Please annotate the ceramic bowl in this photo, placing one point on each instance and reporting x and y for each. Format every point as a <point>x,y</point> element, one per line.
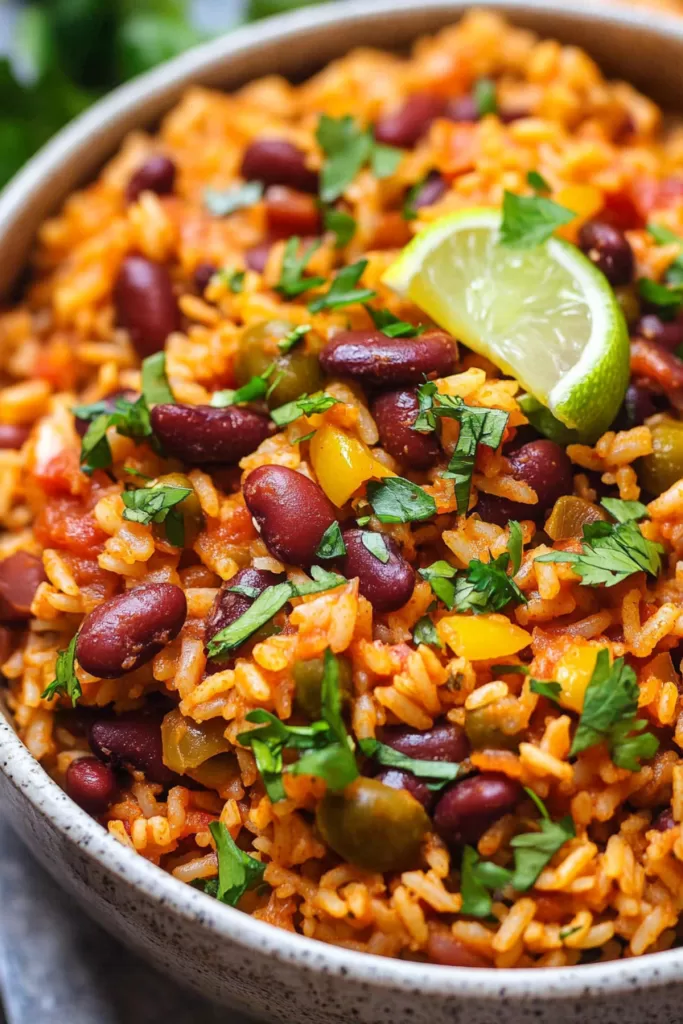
<point>223,954</point>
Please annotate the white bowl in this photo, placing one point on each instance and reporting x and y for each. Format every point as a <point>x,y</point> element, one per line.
<point>223,954</point>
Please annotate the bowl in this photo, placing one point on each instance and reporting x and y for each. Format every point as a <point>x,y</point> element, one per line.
<point>225,955</point>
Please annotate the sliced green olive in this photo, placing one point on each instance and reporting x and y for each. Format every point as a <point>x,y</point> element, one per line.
<point>374,826</point>
<point>186,744</point>
<point>664,466</point>
<point>484,732</point>
<point>569,516</point>
<point>296,372</point>
<point>308,677</point>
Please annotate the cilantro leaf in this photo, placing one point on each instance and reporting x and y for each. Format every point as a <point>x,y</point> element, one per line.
<point>376,545</point>
<point>396,500</point>
<point>476,901</point>
<point>155,387</point>
<point>65,681</point>
<point>441,575</point>
<point>233,279</point>
<point>255,389</point>
<point>424,632</point>
<point>667,299</point>
<point>270,766</point>
<point>530,220</point>
<point>266,605</point>
<point>533,850</point>
<point>537,182</point>
<point>625,511</point>
<point>237,871</point>
<point>550,690</point>
<point>392,326</point>
<point>292,281</point>
<point>515,545</point>
<point>486,587</point>
<point>331,543</point>
<point>335,763</point>
<point>221,203</point>
<point>663,236</point>
<point>296,335</point>
<point>439,772</point>
<point>347,148</point>
<point>484,95</point>
<point>95,449</point>
<point>343,291</point>
<point>305,405</point>
<point>611,553</point>
<point>384,160</point>
<point>322,580</point>
<point>609,715</point>
<point>156,505</point>
<point>342,224</point>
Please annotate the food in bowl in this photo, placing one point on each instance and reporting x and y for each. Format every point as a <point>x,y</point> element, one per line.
<point>339,574</point>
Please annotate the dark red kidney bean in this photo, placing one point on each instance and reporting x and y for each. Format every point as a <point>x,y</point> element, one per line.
<point>202,275</point>
<point>608,248</point>
<point>145,304</point>
<point>229,606</point>
<point>157,174</point>
<point>386,585</point>
<point>128,630</point>
<point>466,809</point>
<point>668,333</point>
<point>664,821</point>
<point>433,189</point>
<point>510,114</point>
<point>462,108</point>
<point>109,406</point>
<point>499,511</point>
<point>278,162</point>
<point>638,405</point>
<point>652,361</point>
<point>546,467</point>
<point>395,413</point>
<point>406,126</point>
<point>373,359</point>
<point>132,741</point>
<point>443,742</point>
<point>13,435</point>
<point>289,212</point>
<point>91,784</point>
<point>20,576</point>
<point>256,258</point>
<point>292,512</point>
<point>203,435</point>
<point>396,778</point>
<point>7,639</point>
<point>443,948</point>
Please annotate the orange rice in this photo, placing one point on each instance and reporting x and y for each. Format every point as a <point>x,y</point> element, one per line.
<point>615,889</point>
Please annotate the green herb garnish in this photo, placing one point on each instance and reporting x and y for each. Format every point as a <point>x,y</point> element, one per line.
<point>537,182</point>
<point>424,632</point>
<point>347,148</point>
<point>668,300</point>
<point>222,203</point>
<point>664,236</point>
<point>292,281</point>
<point>158,505</point>
<point>485,586</point>
<point>237,871</point>
<point>396,500</point>
<point>392,325</point>
<point>530,220</point>
<point>550,690</point>
<point>296,335</point>
<point>438,772</point>
<point>332,543</point>
<point>156,389</point>
<point>343,291</point>
<point>484,95</point>
<point>376,545</point>
<point>305,405</point>
<point>65,681</point>
<point>342,224</point>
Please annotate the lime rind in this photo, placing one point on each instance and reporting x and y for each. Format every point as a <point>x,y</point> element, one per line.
<point>575,361</point>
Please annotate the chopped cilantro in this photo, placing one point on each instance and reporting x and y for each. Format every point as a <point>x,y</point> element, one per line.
<point>237,871</point>
<point>396,500</point>
<point>484,587</point>
<point>255,389</point>
<point>441,576</point>
<point>221,203</point>
<point>384,160</point>
<point>484,94</point>
<point>335,763</point>
<point>609,715</point>
<point>342,224</point>
<point>376,545</point>
<point>292,281</point>
<point>155,387</point>
<point>347,148</point>
<point>424,632</point>
<point>515,545</point>
<point>668,300</point>
<point>663,236</point>
<point>530,220</point>
<point>476,901</point>
<point>131,419</point>
<point>65,681</point>
<point>157,505</point>
<point>537,182</point>
<point>332,543</point>
<point>438,772</point>
<point>233,279</point>
<point>343,291</point>
<point>305,405</point>
<point>546,689</point>
<point>392,326</point>
<point>296,335</point>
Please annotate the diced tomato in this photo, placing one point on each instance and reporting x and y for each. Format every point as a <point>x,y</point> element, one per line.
<point>96,582</point>
<point>656,195</point>
<point>60,474</point>
<point>621,211</point>
<point>197,821</point>
<point>55,363</point>
<point>65,523</point>
<point>239,528</point>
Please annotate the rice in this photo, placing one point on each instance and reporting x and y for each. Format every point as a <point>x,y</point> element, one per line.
<point>610,881</point>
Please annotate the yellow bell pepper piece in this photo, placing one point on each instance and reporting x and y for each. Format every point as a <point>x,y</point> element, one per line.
<point>482,637</point>
<point>342,463</point>
<point>584,200</point>
<point>573,672</point>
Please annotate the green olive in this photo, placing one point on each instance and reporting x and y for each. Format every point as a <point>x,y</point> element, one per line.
<point>373,826</point>
<point>296,372</point>
<point>485,733</point>
<point>664,466</point>
<point>187,744</point>
<point>189,508</point>
<point>628,300</point>
<point>308,677</point>
<point>569,516</point>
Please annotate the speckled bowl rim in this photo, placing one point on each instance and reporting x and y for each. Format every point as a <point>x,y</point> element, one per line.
<point>26,775</point>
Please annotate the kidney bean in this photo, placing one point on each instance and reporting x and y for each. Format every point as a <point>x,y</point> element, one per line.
<point>395,413</point>
<point>651,360</point>
<point>462,108</point>
<point>443,948</point>
<point>91,784</point>
<point>110,406</point>
<point>664,821</point>
<point>546,467</point>
<point>203,273</point>
<point>638,405</point>
<point>668,333</point>
<point>256,257</point>
<point>431,191</point>
<point>157,174</point>
<point>292,512</point>
<point>13,435</point>
<point>386,585</point>
<point>377,361</point>
<point>278,162</point>
<point>229,606</point>
<point>608,248</point>
<point>396,778</point>
<point>145,304</point>
<point>132,741</point>
<point>7,638</point>
<point>289,212</point>
<point>20,576</point>
<point>443,742</point>
<point>202,434</point>
<point>128,630</point>
<point>492,509</point>
<point>406,126</point>
<point>468,808</point>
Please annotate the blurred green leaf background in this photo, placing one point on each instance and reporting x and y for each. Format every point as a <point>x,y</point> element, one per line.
<point>68,53</point>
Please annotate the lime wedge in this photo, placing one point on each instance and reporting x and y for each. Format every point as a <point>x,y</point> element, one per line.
<point>544,315</point>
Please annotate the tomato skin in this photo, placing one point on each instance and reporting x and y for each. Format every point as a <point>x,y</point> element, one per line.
<point>64,523</point>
